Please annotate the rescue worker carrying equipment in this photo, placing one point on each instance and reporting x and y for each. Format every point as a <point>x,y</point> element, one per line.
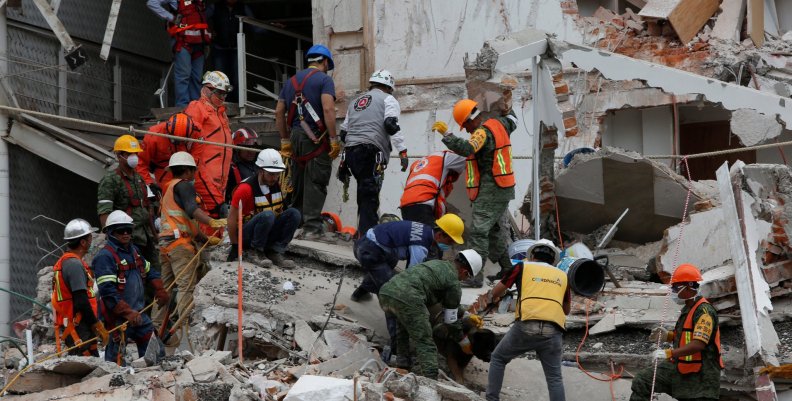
<point>269,225</point>
<point>370,125</point>
<point>691,369</point>
<point>74,293</point>
<point>429,184</point>
<point>157,150</point>
<point>243,162</point>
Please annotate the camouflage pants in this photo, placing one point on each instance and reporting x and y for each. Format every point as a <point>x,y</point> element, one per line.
<point>642,384</point>
<point>486,234</point>
<point>309,181</point>
<point>414,326</point>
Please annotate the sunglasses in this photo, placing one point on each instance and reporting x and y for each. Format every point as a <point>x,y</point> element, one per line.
<point>219,93</point>
<point>676,289</point>
<point>123,231</point>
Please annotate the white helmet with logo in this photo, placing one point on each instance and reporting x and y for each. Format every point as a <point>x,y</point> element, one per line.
<point>383,77</point>
<point>271,161</point>
<point>217,80</point>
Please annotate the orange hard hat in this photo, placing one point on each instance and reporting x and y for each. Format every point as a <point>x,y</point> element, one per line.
<point>686,273</point>
<point>180,124</point>
<point>348,230</point>
<point>464,110</point>
<point>332,222</point>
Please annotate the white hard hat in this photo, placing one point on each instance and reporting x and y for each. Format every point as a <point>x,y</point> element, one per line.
<point>77,228</point>
<point>217,80</point>
<point>474,261</point>
<point>118,218</point>
<point>383,77</point>
<point>271,161</point>
<point>181,159</point>
<point>549,244</point>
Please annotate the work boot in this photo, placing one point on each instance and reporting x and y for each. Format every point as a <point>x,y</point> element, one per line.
<point>360,295</point>
<point>278,260</point>
<point>475,282</point>
<point>310,235</point>
<point>259,258</point>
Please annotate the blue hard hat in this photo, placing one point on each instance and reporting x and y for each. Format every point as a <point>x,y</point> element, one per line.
<point>321,50</point>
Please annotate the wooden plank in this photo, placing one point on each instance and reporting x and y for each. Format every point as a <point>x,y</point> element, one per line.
<point>730,20</point>
<point>689,16</point>
<point>756,21</point>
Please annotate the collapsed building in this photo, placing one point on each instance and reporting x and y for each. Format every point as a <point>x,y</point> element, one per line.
<point>614,93</point>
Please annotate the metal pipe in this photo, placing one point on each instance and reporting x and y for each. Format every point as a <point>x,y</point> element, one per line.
<point>537,143</point>
<point>242,89</point>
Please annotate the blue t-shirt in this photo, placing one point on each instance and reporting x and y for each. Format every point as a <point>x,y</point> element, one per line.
<point>317,85</point>
<point>410,240</point>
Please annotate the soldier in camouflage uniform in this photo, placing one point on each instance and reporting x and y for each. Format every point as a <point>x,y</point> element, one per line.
<point>124,189</point>
<point>691,370</point>
<point>489,176</point>
<point>407,297</point>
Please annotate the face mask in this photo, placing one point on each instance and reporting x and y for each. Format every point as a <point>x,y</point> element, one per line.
<point>681,301</point>
<point>132,161</point>
<point>443,247</point>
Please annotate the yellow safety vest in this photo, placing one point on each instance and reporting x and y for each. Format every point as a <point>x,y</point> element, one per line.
<point>542,293</point>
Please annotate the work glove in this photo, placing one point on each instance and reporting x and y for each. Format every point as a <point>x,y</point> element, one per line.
<point>101,332</point>
<point>466,346</point>
<point>160,294</point>
<point>233,253</point>
<point>218,223</point>
<point>130,315</point>
<point>335,148</point>
<point>404,160</point>
<point>440,127</point>
<point>662,354</point>
<point>659,334</point>
<point>213,240</point>
<point>476,320</point>
<point>286,148</point>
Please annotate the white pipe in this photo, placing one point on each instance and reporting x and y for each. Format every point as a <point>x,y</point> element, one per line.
<point>537,144</point>
<point>5,195</point>
<point>29,341</point>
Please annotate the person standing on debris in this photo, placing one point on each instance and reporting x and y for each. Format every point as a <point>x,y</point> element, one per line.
<point>74,295</point>
<point>180,213</point>
<point>691,369</point>
<point>187,26</point>
<point>157,150</point>
<point>125,189</point>
<point>371,124</point>
<point>430,182</point>
<point>382,247</point>
<point>308,128</point>
<point>122,273</point>
<point>214,162</point>
<point>407,297</point>
<point>543,301</point>
<point>489,176</point>
<point>243,163</point>
<point>269,226</point>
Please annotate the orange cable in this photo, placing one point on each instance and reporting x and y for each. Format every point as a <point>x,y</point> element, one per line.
<point>608,378</point>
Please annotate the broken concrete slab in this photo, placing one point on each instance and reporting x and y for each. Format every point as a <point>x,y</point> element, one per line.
<point>307,340</point>
<point>753,127</point>
<point>610,322</point>
<point>361,355</point>
<point>340,342</point>
<point>703,245</point>
<point>730,20</point>
<point>204,369</point>
<point>321,388</point>
<point>336,255</point>
<point>456,393</point>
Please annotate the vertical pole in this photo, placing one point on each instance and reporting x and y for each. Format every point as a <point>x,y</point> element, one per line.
<point>298,56</point>
<point>5,194</point>
<point>241,70</point>
<point>63,84</point>
<point>537,143</point>
<point>239,281</point>
<point>117,90</point>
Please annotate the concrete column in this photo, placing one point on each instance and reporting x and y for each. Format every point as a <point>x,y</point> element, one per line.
<point>5,194</point>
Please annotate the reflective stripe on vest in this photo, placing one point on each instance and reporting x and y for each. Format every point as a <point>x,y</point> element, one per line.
<point>143,267</point>
<point>692,363</point>
<point>260,201</point>
<point>175,221</point>
<point>61,298</point>
<point>193,28</point>
<point>542,293</point>
<point>502,171</point>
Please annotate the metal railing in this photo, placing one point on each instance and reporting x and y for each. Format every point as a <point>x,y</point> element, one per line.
<point>257,84</point>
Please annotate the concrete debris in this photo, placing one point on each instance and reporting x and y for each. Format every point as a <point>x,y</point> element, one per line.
<point>320,388</point>
<point>753,127</point>
<point>307,340</point>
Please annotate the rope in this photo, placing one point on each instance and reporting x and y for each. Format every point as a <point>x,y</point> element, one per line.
<point>607,378</point>
<point>674,263</point>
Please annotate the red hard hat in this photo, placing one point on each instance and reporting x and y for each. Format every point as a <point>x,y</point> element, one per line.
<point>244,136</point>
<point>686,273</point>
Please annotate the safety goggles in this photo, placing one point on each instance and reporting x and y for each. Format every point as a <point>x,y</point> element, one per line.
<point>677,288</point>
<point>219,93</point>
<point>123,231</point>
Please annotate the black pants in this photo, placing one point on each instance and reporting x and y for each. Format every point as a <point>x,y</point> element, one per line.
<point>363,164</point>
<point>377,264</point>
<point>420,213</point>
<point>84,332</point>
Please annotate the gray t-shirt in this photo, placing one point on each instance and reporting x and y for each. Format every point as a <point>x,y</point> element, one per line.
<point>74,274</point>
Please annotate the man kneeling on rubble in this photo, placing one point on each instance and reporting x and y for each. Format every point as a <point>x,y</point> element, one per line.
<point>268,227</point>
<point>691,369</point>
<point>407,297</point>
<point>121,273</point>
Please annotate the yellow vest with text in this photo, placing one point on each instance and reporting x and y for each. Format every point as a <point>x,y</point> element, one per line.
<point>542,293</point>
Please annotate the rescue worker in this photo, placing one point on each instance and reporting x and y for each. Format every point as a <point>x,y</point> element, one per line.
<point>543,301</point>
<point>489,176</point>
<point>269,225</point>
<point>122,274</point>
<point>214,162</point>
<point>124,189</point>
<point>691,369</point>
<point>74,295</point>
<point>307,129</point>
<point>429,184</point>
<point>243,162</point>
<point>187,26</point>
<point>383,246</point>
<point>371,124</point>
<point>180,213</point>
<point>157,150</point>
<point>407,297</point>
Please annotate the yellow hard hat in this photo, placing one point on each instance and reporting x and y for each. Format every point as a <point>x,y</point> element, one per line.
<point>127,143</point>
<point>452,225</point>
<point>464,110</point>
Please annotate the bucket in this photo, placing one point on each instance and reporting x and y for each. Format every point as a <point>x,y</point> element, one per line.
<point>519,249</point>
<point>586,277</point>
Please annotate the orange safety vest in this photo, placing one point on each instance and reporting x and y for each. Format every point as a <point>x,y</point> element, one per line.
<point>62,302</point>
<point>692,363</point>
<point>501,161</point>
<point>175,221</point>
<point>214,162</point>
<point>423,183</point>
<point>193,29</point>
